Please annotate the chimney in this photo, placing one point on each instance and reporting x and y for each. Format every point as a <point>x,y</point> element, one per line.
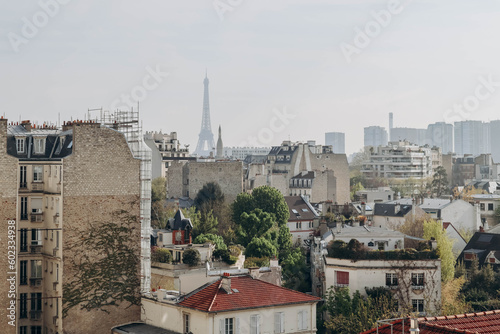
<point>254,272</point>
<point>363,208</point>
<point>397,208</point>
<point>414,326</point>
<point>226,283</point>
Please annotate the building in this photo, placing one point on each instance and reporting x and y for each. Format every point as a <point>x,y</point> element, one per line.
<point>303,169</point>
<point>373,238</point>
<point>463,170</point>
<point>241,153</point>
<point>185,179</point>
<point>165,149</point>
<point>486,168</point>
<point>375,136</point>
<point>59,194</point>
<point>401,160</point>
<point>304,219</point>
<point>459,242</point>
<point>487,203</point>
<point>495,139</point>
<point>336,140</point>
<point>463,215</point>
<point>380,194</point>
<point>411,135</point>
<point>440,134</point>
<point>393,214</point>
<point>485,247</point>
<point>478,322</point>
<point>472,137</point>
<point>232,304</point>
<point>416,283</point>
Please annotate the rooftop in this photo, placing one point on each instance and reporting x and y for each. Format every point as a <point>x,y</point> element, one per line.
<point>299,208</point>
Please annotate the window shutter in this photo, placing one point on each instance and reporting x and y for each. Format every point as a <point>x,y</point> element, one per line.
<point>221,326</point>
<point>237,326</point>
<point>258,324</point>
<point>282,322</point>
<point>299,320</point>
<point>277,322</point>
<point>305,320</point>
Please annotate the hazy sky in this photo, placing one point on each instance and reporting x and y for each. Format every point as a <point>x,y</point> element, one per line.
<point>328,65</point>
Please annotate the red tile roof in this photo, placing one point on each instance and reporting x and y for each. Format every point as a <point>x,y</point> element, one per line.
<point>470,323</point>
<point>252,293</point>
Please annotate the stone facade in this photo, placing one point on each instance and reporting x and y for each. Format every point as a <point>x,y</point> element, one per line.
<point>187,178</point>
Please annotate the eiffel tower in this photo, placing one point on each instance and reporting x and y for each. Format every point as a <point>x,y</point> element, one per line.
<point>206,142</point>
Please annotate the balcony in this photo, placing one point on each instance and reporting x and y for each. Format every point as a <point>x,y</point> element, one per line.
<point>37,187</point>
<point>36,248</point>
<point>36,281</point>
<point>35,315</point>
<point>36,216</point>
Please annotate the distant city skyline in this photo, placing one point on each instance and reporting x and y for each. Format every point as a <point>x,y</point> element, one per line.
<point>286,69</point>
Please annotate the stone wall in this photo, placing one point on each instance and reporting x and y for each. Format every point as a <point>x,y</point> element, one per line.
<point>100,178</point>
<point>8,194</point>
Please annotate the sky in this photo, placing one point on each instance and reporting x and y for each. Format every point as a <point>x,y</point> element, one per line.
<point>278,70</point>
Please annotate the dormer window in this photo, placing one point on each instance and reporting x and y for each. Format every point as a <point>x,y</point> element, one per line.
<point>21,145</point>
<point>61,143</point>
<point>39,145</point>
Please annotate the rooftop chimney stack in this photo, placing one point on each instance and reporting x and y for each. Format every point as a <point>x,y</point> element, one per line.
<point>414,326</point>
<point>226,283</point>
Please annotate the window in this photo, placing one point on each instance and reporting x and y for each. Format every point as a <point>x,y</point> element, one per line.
<point>23,306</point>
<point>229,326</point>
<point>417,279</point>
<point>391,279</point>
<point>23,330</point>
<point>36,269</point>
<point>24,208</point>
<point>22,177</point>
<point>255,324</point>
<point>341,278</point>
<point>469,256</point>
<point>37,173</point>
<point>36,301</point>
<point>24,240</point>
<point>481,205</point>
<point>279,322</point>
<point>418,305</point>
<point>298,225</point>
<point>39,145</point>
<point>371,244</point>
<point>302,321</point>
<point>186,323</point>
<point>23,266</point>
<point>36,329</point>
<point>20,144</point>
<point>36,237</point>
<point>490,206</point>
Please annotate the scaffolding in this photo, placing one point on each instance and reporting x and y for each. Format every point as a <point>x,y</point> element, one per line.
<point>127,123</point>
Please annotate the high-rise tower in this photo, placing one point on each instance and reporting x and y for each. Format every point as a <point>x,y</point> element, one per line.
<point>220,147</point>
<point>206,142</point>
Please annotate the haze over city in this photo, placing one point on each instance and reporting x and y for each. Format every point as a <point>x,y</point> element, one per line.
<point>331,65</point>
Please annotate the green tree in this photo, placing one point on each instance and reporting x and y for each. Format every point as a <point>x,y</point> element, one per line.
<point>191,257</point>
<point>261,247</point>
<point>216,240</point>
<point>296,271</point>
<point>160,212</point>
<point>159,189</point>
<point>254,224</point>
<point>209,198</point>
<point>205,223</point>
<point>162,255</point>
<point>434,229</point>
<point>439,184</point>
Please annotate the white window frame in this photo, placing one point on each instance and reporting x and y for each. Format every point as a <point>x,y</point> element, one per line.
<point>36,269</point>
<point>38,235</point>
<point>21,145</point>
<point>417,303</point>
<point>37,173</point>
<point>186,322</point>
<point>255,324</point>
<point>279,322</point>
<point>39,145</point>
<point>419,279</point>
<point>229,326</point>
<point>302,320</point>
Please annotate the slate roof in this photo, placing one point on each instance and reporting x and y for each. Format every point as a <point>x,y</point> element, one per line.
<point>470,323</point>
<point>179,222</point>
<point>255,159</point>
<point>53,148</point>
<point>304,211</point>
<point>481,244</point>
<point>248,293</point>
<point>388,210</point>
<point>489,186</point>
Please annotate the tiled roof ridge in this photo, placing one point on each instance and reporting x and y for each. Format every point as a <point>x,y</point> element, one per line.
<point>274,285</point>
<point>449,329</point>
<point>195,291</point>
<point>459,316</point>
<point>215,295</point>
<point>374,330</point>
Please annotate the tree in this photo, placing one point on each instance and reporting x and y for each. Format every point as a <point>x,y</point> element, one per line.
<point>439,184</point>
<point>452,301</point>
<point>295,271</point>
<point>256,223</point>
<point>161,255</point>
<point>158,189</point>
<point>434,229</point>
<point>214,239</point>
<point>160,212</point>
<point>191,257</point>
<point>209,198</point>
<point>204,223</point>
<point>261,247</point>
<point>412,226</point>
